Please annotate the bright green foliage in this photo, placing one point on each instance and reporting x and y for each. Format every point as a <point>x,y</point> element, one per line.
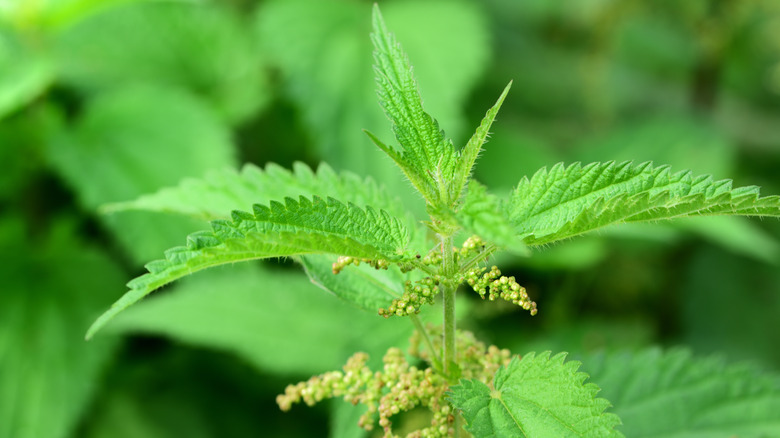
<point>365,287</point>
<point>48,381</point>
<point>324,56</point>
<point>197,48</point>
<point>104,156</point>
<point>470,153</point>
<point>567,201</point>
<point>294,228</point>
<point>24,74</point>
<point>538,396</point>
<point>325,214</point>
<point>428,159</point>
<point>675,395</point>
<point>219,192</point>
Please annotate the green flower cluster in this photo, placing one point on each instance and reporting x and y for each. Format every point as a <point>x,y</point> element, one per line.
<point>344,261</point>
<point>475,359</point>
<point>397,388</point>
<point>400,386</point>
<point>490,284</point>
<point>495,285</point>
<point>414,296</point>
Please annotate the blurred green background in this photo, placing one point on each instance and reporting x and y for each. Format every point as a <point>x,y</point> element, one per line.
<point>102,101</point>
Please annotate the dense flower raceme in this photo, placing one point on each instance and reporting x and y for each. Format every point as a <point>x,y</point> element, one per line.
<point>401,386</point>
<point>488,284</point>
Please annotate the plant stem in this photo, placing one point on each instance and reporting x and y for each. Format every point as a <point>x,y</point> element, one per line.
<point>428,343</point>
<point>449,269</point>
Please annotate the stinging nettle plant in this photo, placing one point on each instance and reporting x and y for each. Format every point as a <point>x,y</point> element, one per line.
<point>329,222</point>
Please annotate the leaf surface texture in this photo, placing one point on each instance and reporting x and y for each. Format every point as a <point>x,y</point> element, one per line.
<point>563,202</point>
<point>299,227</point>
<point>538,396</point>
<point>695,397</point>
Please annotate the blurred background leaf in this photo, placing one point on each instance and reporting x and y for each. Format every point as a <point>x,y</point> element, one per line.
<point>133,141</point>
<point>48,374</point>
<point>103,101</point>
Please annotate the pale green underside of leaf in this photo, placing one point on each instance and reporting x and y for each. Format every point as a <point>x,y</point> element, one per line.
<point>294,228</point>
<point>694,397</point>
<point>428,158</point>
<point>220,192</point>
<point>563,202</point>
<point>538,396</point>
<point>363,286</point>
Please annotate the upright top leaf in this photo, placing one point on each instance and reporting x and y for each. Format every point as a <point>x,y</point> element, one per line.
<point>428,159</point>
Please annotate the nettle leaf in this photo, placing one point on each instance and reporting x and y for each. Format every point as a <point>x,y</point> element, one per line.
<point>321,49</point>
<point>480,214</point>
<point>220,192</point>
<point>48,375</point>
<point>567,201</point>
<point>695,397</point>
<point>134,141</point>
<point>538,396</point>
<point>201,47</point>
<point>278,230</point>
<point>468,156</point>
<point>24,73</point>
<point>428,158</point>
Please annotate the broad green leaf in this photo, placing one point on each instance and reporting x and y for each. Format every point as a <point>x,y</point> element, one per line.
<point>50,292</point>
<point>220,192</point>
<point>538,396</point>
<point>323,52</point>
<point>480,214</point>
<point>468,156</point>
<point>202,48</point>
<point>276,320</point>
<point>278,230</point>
<point>24,73</point>
<point>566,201</point>
<point>136,141</point>
<point>428,158</point>
<point>674,395</point>
<point>223,191</point>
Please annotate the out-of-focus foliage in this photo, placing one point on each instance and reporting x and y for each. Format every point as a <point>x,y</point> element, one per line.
<point>103,101</point>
